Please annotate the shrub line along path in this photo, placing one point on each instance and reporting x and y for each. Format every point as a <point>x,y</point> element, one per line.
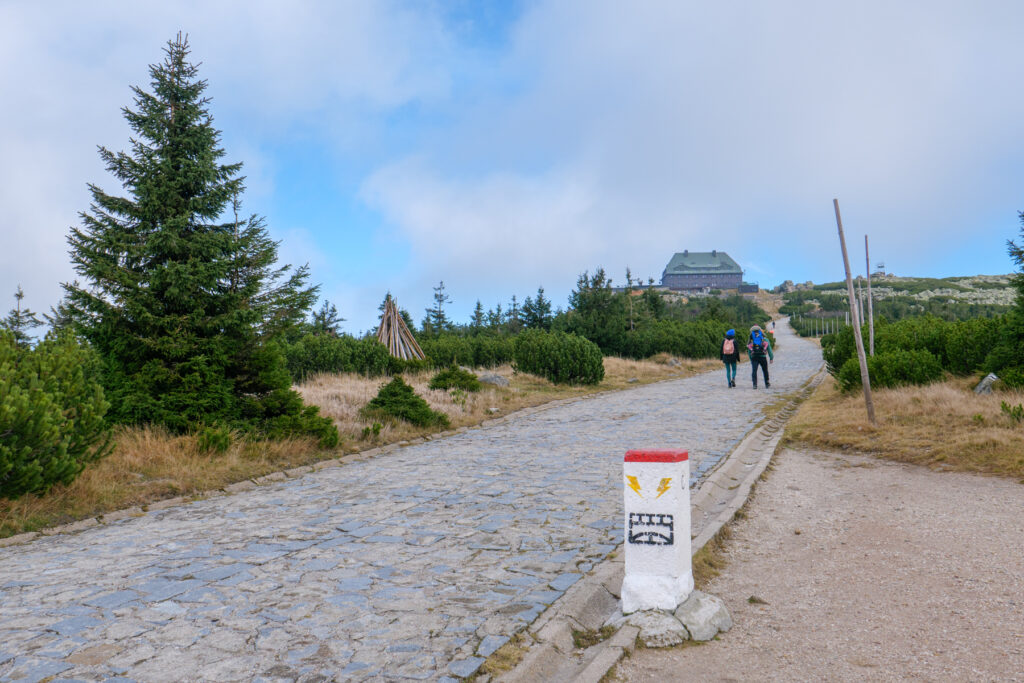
<point>411,565</point>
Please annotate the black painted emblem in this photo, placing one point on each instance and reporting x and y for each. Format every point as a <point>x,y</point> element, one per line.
<point>651,529</point>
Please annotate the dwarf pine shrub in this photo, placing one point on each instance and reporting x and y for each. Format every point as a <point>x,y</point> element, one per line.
<point>892,369</point>
<point>398,400</point>
<point>51,413</point>
<point>560,357</point>
<point>455,378</point>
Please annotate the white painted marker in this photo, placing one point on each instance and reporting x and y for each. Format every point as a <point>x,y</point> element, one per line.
<point>656,490</point>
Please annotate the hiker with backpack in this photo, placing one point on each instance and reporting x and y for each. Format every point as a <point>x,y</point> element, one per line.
<point>730,356</point>
<point>759,350</point>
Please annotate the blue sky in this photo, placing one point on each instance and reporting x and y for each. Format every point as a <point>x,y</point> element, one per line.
<point>501,146</point>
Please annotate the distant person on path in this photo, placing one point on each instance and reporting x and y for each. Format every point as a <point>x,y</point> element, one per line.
<point>730,356</point>
<point>760,352</point>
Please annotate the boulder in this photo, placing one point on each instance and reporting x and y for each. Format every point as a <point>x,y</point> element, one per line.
<point>703,615</point>
<point>658,629</point>
<point>985,385</point>
<point>493,378</point>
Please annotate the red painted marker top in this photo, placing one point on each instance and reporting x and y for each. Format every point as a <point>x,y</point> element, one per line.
<point>656,456</point>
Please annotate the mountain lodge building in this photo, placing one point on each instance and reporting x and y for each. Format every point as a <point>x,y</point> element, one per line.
<point>702,270</point>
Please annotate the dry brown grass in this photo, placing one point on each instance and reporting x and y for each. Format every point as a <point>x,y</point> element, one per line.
<point>341,397</point>
<point>943,425</point>
<point>150,464</point>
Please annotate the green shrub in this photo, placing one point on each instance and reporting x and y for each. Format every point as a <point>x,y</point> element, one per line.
<point>1013,378</point>
<point>560,357</point>
<point>1015,413</point>
<point>968,343</point>
<point>892,369</point>
<point>480,352</point>
<point>372,430</point>
<point>313,354</point>
<point>397,400</point>
<point>455,378</point>
<point>214,438</point>
<point>51,414</point>
<point>960,347</point>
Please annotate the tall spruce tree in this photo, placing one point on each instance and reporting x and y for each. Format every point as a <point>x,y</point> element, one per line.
<point>186,307</point>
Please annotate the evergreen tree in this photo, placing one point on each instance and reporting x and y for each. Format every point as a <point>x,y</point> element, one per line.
<point>597,312</point>
<point>477,323</point>
<point>629,295</point>
<point>1007,358</point>
<point>326,321</point>
<point>1016,252</point>
<point>59,318</point>
<point>654,302</point>
<point>20,321</point>
<point>514,321</point>
<point>438,321</point>
<point>537,312</point>
<point>186,310</point>
<point>495,318</point>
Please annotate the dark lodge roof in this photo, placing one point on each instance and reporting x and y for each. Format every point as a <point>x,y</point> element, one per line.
<point>694,262</point>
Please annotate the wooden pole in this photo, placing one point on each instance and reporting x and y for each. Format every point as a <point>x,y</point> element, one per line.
<point>860,302</point>
<point>871,307</point>
<point>865,380</point>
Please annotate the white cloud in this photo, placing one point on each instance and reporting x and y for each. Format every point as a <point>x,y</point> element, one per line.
<point>321,69</point>
<point>599,133</point>
<point>681,125</point>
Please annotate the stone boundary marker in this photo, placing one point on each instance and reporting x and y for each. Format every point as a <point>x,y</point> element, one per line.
<point>248,484</point>
<point>588,605</point>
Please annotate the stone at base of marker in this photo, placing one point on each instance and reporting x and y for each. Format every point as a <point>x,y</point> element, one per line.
<point>700,617</point>
<point>658,629</point>
<point>704,616</point>
<point>646,592</point>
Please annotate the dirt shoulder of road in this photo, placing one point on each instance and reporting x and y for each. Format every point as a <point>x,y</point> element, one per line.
<point>849,567</point>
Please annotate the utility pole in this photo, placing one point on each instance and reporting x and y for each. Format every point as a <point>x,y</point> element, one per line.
<point>865,379</point>
<point>871,307</point>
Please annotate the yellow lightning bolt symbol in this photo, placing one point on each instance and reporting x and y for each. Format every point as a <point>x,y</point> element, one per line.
<point>663,486</point>
<point>634,484</point>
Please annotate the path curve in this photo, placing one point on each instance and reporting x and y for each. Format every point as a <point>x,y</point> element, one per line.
<point>412,565</point>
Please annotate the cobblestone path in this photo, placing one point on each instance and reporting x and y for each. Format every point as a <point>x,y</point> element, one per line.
<point>410,565</point>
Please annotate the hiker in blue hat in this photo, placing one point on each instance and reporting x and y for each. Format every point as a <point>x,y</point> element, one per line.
<point>759,349</point>
<point>730,356</point>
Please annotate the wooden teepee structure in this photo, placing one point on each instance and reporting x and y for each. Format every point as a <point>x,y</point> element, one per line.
<point>394,334</point>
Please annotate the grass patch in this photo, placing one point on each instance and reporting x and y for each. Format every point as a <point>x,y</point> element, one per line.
<point>709,561</point>
<point>943,425</point>
<point>506,657</point>
<point>581,640</point>
<point>150,464</point>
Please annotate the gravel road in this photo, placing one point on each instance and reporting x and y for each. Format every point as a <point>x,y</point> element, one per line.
<point>868,570</point>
